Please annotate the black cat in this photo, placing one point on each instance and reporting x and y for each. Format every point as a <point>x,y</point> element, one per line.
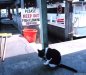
<point>53,58</point>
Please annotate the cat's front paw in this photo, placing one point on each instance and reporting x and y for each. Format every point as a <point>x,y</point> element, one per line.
<point>52,65</point>
<point>46,63</point>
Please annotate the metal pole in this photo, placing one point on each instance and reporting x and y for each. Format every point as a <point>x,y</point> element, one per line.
<point>16,9</point>
<point>12,10</point>
<point>22,7</point>
<point>22,4</point>
<point>82,6</point>
<point>43,22</point>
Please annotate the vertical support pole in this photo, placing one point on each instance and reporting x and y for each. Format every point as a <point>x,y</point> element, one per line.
<point>4,49</point>
<point>0,19</point>
<point>0,47</point>
<point>8,12</point>
<point>22,4</point>
<point>43,23</point>
<point>0,13</point>
<point>68,20</point>
<point>22,7</point>
<point>16,9</point>
<point>12,11</point>
<point>17,18</point>
<point>82,6</point>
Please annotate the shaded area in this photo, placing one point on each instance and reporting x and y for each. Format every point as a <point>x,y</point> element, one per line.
<point>55,34</point>
<point>53,39</point>
<point>31,64</point>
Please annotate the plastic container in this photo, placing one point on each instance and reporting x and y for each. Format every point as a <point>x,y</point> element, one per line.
<point>30,34</point>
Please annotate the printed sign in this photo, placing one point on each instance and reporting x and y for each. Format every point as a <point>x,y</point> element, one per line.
<point>30,16</point>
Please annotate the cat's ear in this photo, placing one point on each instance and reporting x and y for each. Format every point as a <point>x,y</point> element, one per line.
<point>38,50</point>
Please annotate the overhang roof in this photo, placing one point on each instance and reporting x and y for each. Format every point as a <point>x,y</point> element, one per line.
<point>9,3</point>
<point>6,3</point>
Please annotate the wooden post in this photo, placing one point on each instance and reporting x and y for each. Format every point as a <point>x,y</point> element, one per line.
<point>68,20</point>
<point>43,22</point>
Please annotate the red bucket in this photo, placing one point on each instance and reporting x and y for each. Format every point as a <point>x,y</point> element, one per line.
<point>30,34</point>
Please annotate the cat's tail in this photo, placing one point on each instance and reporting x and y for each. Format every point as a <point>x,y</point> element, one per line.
<point>67,67</point>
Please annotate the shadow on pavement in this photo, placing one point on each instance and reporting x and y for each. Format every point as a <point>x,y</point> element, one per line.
<point>31,64</point>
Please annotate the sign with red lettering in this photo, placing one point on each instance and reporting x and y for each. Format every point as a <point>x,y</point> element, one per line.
<point>30,16</point>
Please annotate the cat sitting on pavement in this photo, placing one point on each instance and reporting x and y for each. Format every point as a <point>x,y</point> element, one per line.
<point>53,58</point>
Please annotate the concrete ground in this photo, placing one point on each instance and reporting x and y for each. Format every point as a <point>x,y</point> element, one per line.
<point>21,57</point>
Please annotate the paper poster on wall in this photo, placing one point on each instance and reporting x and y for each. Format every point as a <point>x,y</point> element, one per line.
<point>30,16</point>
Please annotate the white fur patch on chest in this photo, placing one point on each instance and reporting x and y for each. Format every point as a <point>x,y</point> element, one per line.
<point>47,62</point>
<point>46,49</point>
